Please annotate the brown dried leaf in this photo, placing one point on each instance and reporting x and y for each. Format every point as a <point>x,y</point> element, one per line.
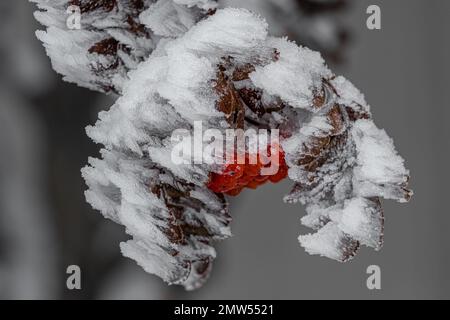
<point>229,101</point>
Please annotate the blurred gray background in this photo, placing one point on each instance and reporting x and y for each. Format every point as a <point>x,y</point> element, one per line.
<point>45,224</point>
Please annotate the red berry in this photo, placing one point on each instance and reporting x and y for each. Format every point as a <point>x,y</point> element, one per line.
<point>235,177</point>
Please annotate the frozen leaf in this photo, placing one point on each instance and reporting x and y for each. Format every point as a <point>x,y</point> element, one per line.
<point>113,36</point>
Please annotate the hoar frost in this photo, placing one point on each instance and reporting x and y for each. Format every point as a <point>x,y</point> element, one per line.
<point>222,68</point>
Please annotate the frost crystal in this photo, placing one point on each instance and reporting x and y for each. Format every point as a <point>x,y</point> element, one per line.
<point>227,72</point>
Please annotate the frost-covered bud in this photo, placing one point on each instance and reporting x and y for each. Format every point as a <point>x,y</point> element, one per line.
<point>95,43</point>
<point>226,72</point>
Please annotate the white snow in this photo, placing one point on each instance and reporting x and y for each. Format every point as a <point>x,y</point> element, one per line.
<point>294,76</point>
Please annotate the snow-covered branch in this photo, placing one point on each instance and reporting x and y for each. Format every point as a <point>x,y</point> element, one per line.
<point>223,68</point>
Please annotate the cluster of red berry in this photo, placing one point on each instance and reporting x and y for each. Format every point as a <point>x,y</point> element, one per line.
<point>235,177</point>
